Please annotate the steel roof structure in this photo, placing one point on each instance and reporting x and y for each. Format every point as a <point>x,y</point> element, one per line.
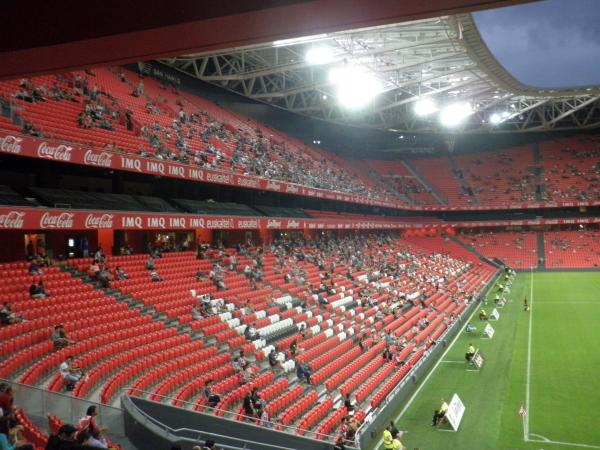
<point>443,58</point>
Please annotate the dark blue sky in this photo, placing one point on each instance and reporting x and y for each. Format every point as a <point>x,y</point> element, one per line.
<point>552,43</point>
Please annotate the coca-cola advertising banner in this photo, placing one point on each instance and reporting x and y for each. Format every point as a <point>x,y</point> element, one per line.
<point>16,144</point>
<point>54,219</point>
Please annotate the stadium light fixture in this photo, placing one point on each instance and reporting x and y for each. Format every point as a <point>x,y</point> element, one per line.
<point>425,107</point>
<point>495,119</point>
<point>355,86</point>
<point>454,114</point>
<point>319,55</point>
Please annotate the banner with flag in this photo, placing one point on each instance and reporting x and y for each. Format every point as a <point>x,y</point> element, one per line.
<point>522,411</point>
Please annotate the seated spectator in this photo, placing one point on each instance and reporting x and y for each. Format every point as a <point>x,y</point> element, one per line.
<point>120,273</point>
<point>63,439</point>
<point>97,440</point>
<point>11,435</point>
<point>349,404</point>
<point>34,269</point>
<point>42,290</point>
<point>248,404</point>
<point>59,337</point>
<point>196,315</point>
<point>7,316</point>
<point>303,372</point>
<point>150,263</point>
<point>211,397</point>
<point>69,373</point>
<point>7,400</point>
<point>248,374</point>
<point>154,276</point>
<point>209,445</point>
<point>88,422</point>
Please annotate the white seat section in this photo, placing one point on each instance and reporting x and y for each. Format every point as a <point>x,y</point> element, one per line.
<point>328,332</point>
<point>350,331</point>
<point>329,322</point>
<point>225,316</point>
<point>233,322</point>
<point>342,302</point>
<point>274,318</point>
<point>341,336</point>
<point>315,329</point>
<point>261,314</point>
<point>259,343</point>
<point>274,327</point>
<point>284,299</point>
<point>240,329</point>
<point>267,350</point>
<point>289,365</point>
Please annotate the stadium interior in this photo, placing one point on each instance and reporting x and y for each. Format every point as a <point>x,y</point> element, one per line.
<point>267,238</point>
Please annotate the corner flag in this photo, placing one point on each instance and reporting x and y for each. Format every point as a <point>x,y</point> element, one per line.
<point>522,411</point>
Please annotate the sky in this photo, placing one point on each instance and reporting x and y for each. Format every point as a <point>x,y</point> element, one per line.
<point>552,43</point>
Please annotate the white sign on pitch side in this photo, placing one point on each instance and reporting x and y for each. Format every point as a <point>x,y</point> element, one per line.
<point>495,315</point>
<point>455,413</point>
<point>488,331</point>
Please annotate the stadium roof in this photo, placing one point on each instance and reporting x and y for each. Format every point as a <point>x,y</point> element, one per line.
<point>442,59</point>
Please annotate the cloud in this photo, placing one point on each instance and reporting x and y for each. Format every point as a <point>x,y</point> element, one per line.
<point>554,43</point>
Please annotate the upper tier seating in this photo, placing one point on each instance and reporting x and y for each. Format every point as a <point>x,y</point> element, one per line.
<point>518,250</point>
<point>87,200</point>
<point>572,249</point>
<point>216,208</point>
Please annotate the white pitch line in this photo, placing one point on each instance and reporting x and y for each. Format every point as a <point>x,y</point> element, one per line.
<point>527,382</point>
<point>570,444</point>
<point>454,362</point>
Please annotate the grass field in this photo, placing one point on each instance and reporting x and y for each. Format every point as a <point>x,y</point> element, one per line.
<point>547,358</point>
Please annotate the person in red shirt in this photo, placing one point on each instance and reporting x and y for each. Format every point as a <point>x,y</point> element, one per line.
<point>7,400</point>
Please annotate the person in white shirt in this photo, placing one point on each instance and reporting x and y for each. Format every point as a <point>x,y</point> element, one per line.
<point>70,374</point>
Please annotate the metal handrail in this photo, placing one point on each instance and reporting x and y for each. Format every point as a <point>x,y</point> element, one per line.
<point>214,410</point>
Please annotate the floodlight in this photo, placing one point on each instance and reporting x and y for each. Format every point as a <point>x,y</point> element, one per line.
<point>425,107</point>
<point>319,55</point>
<point>355,86</point>
<point>452,115</point>
<point>495,119</point>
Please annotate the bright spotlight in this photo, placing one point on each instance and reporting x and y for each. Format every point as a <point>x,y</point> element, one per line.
<point>319,55</point>
<point>505,114</point>
<point>452,115</point>
<point>425,107</point>
<point>495,119</point>
<point>355,86</point>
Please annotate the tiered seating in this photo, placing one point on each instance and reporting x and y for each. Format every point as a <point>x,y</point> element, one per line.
<point>438,173</point>
<point>572,249</point>
<point>499,178</point>
<point>518,250</point>
<point>571,169</point>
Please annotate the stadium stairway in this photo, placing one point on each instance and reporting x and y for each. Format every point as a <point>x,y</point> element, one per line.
<point>473,250</point>
<point>464,187</point>
<point>541,250</point>
<point>424,182</point>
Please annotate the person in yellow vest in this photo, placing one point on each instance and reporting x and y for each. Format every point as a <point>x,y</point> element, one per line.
<point>483,315</point>
<point>387,438</point>
<point>396,444</point>
<point>440,413</point>
<point>470,352</point>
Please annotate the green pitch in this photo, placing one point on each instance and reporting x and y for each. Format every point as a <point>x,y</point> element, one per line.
<point>547,358</point>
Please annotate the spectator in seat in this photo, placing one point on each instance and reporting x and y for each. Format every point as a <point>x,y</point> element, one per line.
<point>7,316</point>
<point>209,445</point>
<point>7,400</point>
<point>34,268</point>
<point>196,315</point>
<point>303,372</point>
<point>63,439</point>
<point>212,398</point>
<point>154,276</point>
<point>248,404</point>
<point>349,404</point>
<point>10,435</point>
<point>265,419</point>
<point>59,337</point>
<point>42,290</point>
<point>150,263</point>
<point>70,374</point>
<point>88,422</point>
<point>97,440</point>
<point>120,273</point>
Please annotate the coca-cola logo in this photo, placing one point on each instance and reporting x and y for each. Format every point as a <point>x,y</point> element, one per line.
<point>61,152</point>
<point>11,144</point>
<point>103,221</point>
<point>272,223</point>
<point>63,220</point>
<point>12,219</point>
<point>103,159</point>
